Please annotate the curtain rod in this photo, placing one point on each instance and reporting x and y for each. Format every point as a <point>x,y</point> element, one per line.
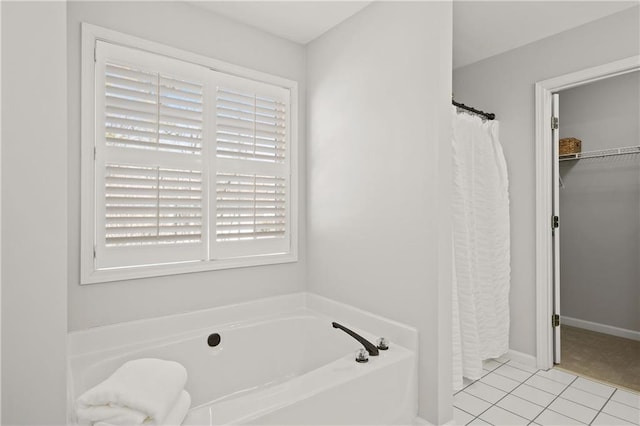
<point>487,115</point>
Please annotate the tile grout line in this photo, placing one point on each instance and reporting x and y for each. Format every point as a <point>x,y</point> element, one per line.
<point>553,400</point>
<point>484,375</point>
<point>566,415</point>
<point>522,382</point>
<point>604,405</point>
<point>465,387</point>
<point>615,389</point>
<point>492,404</point>
<point>592,394</point>
<point>636,407</point>
<point>610,385</point>
<point>559,396</point>
<point>507,394</point>
<point>465,411</point>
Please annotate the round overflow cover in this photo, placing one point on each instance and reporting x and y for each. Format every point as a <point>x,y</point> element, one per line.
<point>213,339</point>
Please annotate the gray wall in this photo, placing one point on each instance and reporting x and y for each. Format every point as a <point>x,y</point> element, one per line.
<point>379,175</point>
<point>34,216</point>
<point>600,205</point>
<point>504,84</point>
<point>191,28</point>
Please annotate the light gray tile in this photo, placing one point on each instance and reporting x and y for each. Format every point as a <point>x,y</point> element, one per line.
<point>466,382</point>
<point>534,395</point>
<point>490,364</point>
<point>593,387</point>
<point>460,417</point>
<point>575,411</point>
<point>623,411</point>
<point>499,417</point>
<point>520,407</point>
<point>527,368</point>
<point>500,382</point>
<point>417,421</point>
<point>512,373</point>
<point>557,376</point>
<point>470,403</point>
<point>545,384</point>
<point>486,392</point>
<point>478,421</point>
<point>626,398</point>
<point>603,419</point>
<point>585,398</point>
<point>551,418</point>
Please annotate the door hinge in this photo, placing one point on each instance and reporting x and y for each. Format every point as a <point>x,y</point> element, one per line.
<point>555,123</point>
<point>555,320</point>
<point>555,222</point>
<point>94,252</point>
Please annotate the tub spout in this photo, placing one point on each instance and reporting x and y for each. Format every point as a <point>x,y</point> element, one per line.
<point>370,347</point>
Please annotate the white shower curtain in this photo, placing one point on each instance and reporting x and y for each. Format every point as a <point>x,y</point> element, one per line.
<point>481,269</point>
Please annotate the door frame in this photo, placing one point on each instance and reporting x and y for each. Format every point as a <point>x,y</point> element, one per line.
<point>544,194</point>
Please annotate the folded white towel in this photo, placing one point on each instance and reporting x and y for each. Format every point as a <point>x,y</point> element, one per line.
<point>175,417</point>
<point>143,391</point>
<point>114,416</point>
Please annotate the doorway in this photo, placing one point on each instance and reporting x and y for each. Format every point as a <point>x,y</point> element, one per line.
<point>548,329</point>
<point>599,236</point>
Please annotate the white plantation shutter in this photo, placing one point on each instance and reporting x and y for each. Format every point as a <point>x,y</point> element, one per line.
<point>250,206</point>
<point>151,111</point>
<point>252,178</point>
<point>191,168</point>
<point>249,126</point>
<point>152,205</point>
<point>150,202</point>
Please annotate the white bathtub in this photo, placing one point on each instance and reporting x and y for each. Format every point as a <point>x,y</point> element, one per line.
<point>289,367</point>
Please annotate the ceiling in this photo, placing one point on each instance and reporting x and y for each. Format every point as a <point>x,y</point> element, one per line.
<point>298,21</point>
<point>480,28</point>
<point>486,28</point>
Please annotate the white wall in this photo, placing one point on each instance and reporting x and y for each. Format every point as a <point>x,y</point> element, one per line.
<point>0,213</point>
<point>379,175</point>
<point>195,29</point>
<point>504,84</point>
<point>600,205</point>
<point>34,217</point>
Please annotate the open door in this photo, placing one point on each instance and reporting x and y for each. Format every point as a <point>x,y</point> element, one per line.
<point>555,223</point>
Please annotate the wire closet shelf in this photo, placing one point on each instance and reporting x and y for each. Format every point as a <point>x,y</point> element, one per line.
<point>601,153</point>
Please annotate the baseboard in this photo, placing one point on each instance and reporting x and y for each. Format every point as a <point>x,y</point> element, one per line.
<point>522,358</point>
<point>601,328</point>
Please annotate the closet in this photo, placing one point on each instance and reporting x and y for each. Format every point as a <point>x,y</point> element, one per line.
<point>599,204</point>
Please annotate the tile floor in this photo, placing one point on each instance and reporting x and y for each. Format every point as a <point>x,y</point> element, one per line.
<point>514,394</point>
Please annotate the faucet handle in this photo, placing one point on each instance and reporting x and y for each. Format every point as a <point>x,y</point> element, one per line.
<point>382,343</point>
<point>362,355</point>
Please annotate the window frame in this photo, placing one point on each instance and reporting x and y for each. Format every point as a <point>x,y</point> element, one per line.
<point>89,274</point>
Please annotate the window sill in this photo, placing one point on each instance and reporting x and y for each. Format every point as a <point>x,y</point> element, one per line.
<point>150,271</point>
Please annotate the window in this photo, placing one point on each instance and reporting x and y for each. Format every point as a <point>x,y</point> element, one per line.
<point>190,169</point>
